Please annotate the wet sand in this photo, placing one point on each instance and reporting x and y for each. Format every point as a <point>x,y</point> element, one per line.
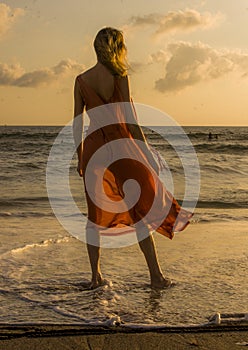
<point>80,337</point>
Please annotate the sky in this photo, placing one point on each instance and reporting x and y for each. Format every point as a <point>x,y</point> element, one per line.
<point>189,59</point>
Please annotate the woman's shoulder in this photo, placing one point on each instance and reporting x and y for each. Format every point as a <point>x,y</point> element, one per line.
<point>124,86</point>
<point>123,79</point>
<point>85,74</point>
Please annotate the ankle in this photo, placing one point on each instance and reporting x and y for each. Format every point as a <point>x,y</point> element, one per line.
<point>164,283</point>
<point>157,277</point>
<point>97,276</point>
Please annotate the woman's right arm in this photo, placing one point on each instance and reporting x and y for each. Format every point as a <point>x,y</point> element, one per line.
<point>78,124</point>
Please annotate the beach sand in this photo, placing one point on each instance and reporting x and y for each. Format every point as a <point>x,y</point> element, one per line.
<point>80,337</point>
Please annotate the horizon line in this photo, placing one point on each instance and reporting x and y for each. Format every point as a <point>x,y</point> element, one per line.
<point>143,125</point>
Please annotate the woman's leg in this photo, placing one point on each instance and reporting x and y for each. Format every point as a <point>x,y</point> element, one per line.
<point>93,248</point>
<point>148,248</point>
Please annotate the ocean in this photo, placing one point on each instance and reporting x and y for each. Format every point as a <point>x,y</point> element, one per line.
<point>45,270</point>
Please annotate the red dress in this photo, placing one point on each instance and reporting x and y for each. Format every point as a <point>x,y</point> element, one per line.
<point>119,160</point>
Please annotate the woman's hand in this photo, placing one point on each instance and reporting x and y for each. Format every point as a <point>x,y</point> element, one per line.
<point>80,168</point>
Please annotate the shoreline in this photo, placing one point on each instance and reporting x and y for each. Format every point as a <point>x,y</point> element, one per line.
<point>48,336</point>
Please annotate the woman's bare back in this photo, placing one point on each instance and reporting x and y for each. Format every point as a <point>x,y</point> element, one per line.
<point>100,80</point>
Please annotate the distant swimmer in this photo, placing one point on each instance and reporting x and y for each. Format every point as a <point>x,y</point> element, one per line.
<point>210,136</point>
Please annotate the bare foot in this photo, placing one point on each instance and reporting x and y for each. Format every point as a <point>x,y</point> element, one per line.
<point>161,283</point>
<point>97,282</point>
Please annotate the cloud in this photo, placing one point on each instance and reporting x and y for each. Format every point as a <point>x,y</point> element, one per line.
<point>137,67</point>
<point>8,17</point>
<point>159,56</point>
<point>186,21</point>
<point>14,75</point>
<point>174,21</point>
<point>139,21</point>
<point>190,64</point>
<point>9,73</point>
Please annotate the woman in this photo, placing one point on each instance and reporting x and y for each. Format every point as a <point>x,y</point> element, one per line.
<point>105,84</point>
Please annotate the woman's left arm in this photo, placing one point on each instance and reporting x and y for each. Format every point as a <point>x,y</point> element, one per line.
<point>133,125</point>
<point>78,124</point>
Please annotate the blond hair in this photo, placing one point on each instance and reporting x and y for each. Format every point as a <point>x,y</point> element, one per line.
<point>111,50</point>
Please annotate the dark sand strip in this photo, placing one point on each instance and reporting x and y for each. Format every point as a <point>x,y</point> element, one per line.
<point>75,337</point>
